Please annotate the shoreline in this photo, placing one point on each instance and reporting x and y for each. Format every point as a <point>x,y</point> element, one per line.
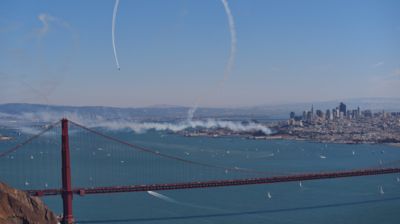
<point>290,138</point>
<point>347,142</point>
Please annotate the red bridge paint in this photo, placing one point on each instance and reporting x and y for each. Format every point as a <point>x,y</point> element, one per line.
<point>217,183</point>
<point>66,191</point>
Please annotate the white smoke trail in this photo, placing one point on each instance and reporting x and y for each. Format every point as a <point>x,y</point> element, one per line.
<point>136,126</point>
<point>162,197</point>
<point>192,110</point>
<point>171,200</point>
<point>113,32</point>
<point>45,19</point>
<point>46,87</point>
<point>231,59</point>
<point>232,29</point>
<point>176,127</point>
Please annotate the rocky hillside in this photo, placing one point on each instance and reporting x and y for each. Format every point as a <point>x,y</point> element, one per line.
<point>17,207</point>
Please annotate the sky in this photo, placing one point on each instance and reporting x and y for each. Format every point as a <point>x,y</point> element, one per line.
<point>175,52</point>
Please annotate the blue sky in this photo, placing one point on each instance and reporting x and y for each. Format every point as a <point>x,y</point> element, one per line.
<point>173,52</point>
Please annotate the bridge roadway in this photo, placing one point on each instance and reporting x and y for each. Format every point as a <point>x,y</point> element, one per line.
<point>217,183</point>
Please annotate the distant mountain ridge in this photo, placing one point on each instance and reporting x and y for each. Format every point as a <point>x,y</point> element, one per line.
<point>180,112</point>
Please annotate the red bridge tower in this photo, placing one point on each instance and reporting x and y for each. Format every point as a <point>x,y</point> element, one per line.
<point>66,175</point>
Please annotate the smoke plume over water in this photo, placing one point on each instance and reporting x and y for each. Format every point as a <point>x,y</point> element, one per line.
<point>180,126</point>
<point>136,126</point>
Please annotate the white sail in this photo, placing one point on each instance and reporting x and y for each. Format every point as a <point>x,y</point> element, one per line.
<point>381,190</point>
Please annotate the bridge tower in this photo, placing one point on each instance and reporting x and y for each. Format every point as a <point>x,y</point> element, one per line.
<point>66,175</point>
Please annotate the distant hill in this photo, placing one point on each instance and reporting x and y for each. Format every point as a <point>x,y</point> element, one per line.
<point>90,111</point>
<point>167,112</point>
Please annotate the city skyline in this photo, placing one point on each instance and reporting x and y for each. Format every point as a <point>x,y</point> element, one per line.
<point>61,53</point>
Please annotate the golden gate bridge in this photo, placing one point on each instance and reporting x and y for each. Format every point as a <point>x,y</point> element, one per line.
<point>226,176</point>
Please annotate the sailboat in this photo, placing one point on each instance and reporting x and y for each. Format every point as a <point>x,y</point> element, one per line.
<point>381,190</point>
<point>269,195</point>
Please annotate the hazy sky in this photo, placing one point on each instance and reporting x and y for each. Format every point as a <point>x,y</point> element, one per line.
<point>172,52</point>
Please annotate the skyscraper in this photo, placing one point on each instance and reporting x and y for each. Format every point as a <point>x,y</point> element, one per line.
<point>319,113</point>
<point>328,115</point>
<point>342,108</point>
<point>312,110</point>
<point>292,115</point>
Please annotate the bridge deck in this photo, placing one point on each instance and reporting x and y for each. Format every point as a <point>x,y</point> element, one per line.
<point>218,183</point>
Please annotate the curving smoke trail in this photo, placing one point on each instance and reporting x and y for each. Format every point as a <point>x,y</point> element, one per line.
<point>232,55</point>
<point>231,59</point>
<point>45,19</point>
<point>113,32</point>
<point>46,86</point>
